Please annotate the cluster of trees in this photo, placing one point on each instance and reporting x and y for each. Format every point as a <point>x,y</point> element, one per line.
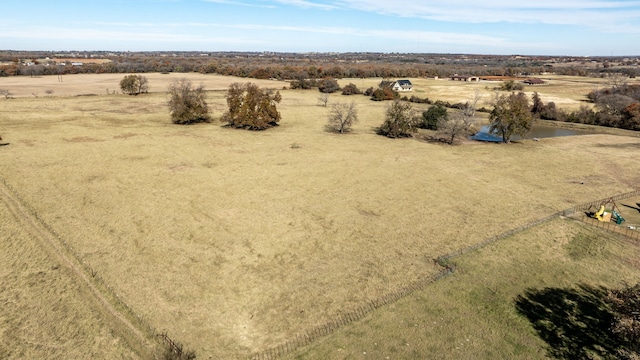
<point>256,109</point>
<point>452,126</point>
<point>617,106</point>
<point>384,91</point>
<point>249,106</point>
<point>511,115</point>
<point>329,85</point>
<point>253,108</point>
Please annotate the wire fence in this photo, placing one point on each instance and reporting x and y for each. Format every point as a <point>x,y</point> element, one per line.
<point>596,203</point>
<point>307,337</point>
<point>173,346</point>
<point>627,231</point>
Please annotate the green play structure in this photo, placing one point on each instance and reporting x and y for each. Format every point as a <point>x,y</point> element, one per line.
<point>609,211</point>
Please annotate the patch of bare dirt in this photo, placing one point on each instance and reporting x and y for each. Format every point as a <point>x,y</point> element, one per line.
<point>82,139</point>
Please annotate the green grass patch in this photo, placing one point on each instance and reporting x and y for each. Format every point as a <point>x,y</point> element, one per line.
<point>585,245</point>
<point>524,297</point>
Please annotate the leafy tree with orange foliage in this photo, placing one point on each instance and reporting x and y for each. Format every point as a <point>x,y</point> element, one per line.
<point>251,108</point>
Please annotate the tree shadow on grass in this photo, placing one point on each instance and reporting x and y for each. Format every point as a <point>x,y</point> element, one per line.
<point>575,323</point>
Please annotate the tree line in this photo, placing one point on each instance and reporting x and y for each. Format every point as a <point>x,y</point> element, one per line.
<point>617,106</point>
<point>286,69</point>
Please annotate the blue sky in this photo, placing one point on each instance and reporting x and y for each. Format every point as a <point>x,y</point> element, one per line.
<point>539,27</point>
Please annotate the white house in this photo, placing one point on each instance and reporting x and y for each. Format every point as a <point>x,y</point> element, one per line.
<point>402,85</point>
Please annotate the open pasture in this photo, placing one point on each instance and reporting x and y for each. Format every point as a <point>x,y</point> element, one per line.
<point>567,92</point>
<point>101,84</point>
<point>503,302</point>
<point>234,241</point>
<point>44,313</point>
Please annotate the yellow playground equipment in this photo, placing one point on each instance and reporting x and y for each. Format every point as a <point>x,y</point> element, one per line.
<point>609,211</point>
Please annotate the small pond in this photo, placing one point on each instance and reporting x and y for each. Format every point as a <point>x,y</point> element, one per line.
<point>539,131</point>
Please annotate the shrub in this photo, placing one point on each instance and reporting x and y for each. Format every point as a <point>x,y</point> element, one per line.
<point>328,85</point>
<point>625,303</point>
<point>549,112</point>
<point>369,91</point>
<point>511,85</point>
<point>178,353</point>
<point>432,116</point>
<point>351,89</point>
<point>187,104</point>
<point>383,94</point>
<point>419,100</point>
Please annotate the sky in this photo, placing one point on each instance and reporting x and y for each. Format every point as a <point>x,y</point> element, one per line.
<point>501,27</point>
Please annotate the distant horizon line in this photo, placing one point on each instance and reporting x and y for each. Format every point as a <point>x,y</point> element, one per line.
<point>318,52</point>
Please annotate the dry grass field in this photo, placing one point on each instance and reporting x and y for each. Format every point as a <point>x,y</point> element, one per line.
<point>234,241</point>
<point>473,314</point>
<point>45,313</point>
<point>568,92</point>
<point>101,84</point>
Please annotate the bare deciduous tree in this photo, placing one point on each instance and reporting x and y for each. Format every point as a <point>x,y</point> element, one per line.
<point>6,93</point>
<point>342,117</point>
<point>616,79</point>
<point>323,99</point>
<point>461,123</point>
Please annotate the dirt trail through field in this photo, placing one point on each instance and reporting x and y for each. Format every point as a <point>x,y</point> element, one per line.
<point>119,322</point>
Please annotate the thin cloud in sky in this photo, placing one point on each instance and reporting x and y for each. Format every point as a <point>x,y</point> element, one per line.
<point>425,36</point>
<point>490,26</point>
<point>587,13</point>
<point>59,33</point>
<point>239,3</point>
<point>309,4</point>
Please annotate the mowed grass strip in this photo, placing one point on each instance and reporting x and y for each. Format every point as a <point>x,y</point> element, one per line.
<point>44,312</point>
<point>536,295</point>
<point>234,240</point>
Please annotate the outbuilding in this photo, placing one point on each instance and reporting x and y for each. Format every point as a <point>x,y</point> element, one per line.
<point>534,81</point>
